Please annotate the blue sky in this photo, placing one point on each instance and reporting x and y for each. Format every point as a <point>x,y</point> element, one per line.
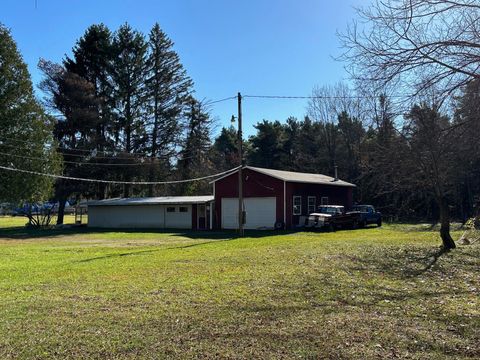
<point>257,47</point>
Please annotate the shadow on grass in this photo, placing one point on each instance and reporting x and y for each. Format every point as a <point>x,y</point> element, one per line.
<point>26,233</point>
<point>412,262</point>
<point>142,252</point>
<point>373,307</point>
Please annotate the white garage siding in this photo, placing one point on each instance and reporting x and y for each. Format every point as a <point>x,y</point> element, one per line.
<point>151,216</point>
<point>260,212</point>
<point>174,212</point>
<point>138,216</point>
<point>178,219</point>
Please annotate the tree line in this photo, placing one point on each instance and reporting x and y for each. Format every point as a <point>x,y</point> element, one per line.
<point>122,99</point>
<point>423,165</point>
<point>122,107</point>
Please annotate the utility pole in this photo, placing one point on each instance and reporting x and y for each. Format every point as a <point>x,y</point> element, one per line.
<point>240,175</point>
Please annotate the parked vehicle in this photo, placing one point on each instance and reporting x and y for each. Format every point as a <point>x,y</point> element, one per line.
<point>6,209</point>
<point>368,215</point>
<point>53,207</point>
<point>333,217</point>
<point>27,208</point>
<point>44,208</point>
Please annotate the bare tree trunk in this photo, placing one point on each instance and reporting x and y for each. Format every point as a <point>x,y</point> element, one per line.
<point>128,147</point>
<point>448,243</point>
<point>61,210</point>
<point>126,187</point>
<point>101,191</point>
<point>151,176</point>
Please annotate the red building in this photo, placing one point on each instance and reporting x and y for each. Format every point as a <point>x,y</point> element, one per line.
<point>275,197</point>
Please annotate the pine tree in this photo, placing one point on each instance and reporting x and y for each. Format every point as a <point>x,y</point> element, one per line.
<point>79,89</point>
<point>26,140</point>
<point>195,154</point>
<point>129,75</point>
<point>92,61</point>
<point>268,145</point>
<point>225,149</point>
<point>168,88</point>
<point>74,100</point>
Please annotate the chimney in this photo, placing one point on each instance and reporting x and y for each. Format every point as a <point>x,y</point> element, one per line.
<point>336,173</point>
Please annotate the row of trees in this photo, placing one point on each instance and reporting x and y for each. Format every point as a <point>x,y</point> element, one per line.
<point>122,108</point>
<point>126,111</point>
<point>422,166</point>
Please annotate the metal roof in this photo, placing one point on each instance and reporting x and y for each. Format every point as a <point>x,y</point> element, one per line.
<point>291,176</point>
<point>167,200</point>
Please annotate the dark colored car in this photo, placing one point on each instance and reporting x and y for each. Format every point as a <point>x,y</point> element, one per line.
<point>333,217</point>
<point>368,215</point>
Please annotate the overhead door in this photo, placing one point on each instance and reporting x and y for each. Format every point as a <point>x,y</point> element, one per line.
<point>260,212</point>
<point>178,216</point>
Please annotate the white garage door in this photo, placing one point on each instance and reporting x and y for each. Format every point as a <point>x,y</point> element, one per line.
<point>261,213</point>
<point>178,216</point>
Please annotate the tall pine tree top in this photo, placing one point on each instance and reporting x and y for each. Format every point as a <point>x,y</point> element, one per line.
<point>25,130</point>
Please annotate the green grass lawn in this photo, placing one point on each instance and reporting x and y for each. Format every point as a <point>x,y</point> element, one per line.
<point>17,221</point>
<point>370,293</point>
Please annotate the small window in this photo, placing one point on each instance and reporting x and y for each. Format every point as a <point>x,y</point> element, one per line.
<point>324,200</point>
<point>297,205</point>
<point>312,202</point>
<point>183,209</point>
<point>171,209</point>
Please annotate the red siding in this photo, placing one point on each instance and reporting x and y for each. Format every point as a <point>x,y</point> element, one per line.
<point>259,185</point>
<point>194,216</point>
<point>337,195</point>
<point>254,185</point>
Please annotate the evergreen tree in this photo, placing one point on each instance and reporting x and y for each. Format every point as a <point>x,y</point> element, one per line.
<point>80,91</point>
<point>92,61</point>
<point>309,152</point>
<point>352,133</point>
<point>167,89</point>
<point>195,154</point>
<point>467,163</point>
<point>380,163</point>
<point>267,146</point>
<point>26,140</point>
<point>73,99</point>
<point>129,75</point>
<point>225,149</point>
<point>291,129</point>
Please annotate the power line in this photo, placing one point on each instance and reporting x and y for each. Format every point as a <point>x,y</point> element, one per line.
<point>317,97</point>
<point>65,152</point>
<point>76,162</point>
<point>79,149</point>
<point>221,100</point>
<point>280,97</point>
<point>117,182</point>
<point>145,157</point>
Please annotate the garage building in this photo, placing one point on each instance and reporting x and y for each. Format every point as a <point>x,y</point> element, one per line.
<point>270,197</point>
<point>175,212</point>
<point>276,197</point>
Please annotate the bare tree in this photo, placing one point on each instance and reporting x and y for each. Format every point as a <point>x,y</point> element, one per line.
<point>423,47</point>
<point>431,141</point>
<point>417,43</point>
<point>325,106</point>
